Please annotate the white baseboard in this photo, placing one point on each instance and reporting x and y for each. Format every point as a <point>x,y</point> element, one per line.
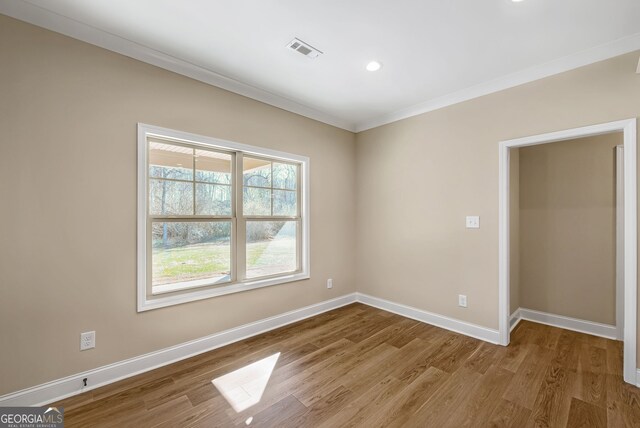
<point>462,327</point>
<point>515,319</point>
<point>582,326</point>
<point>71,385</point>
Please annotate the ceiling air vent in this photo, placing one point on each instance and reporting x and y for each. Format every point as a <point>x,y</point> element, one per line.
<point>304,48</point>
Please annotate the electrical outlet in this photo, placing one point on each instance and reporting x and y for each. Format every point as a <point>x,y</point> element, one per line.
<point>87,340</point>
<point>462,300</point>
<point>329,283</point>
<point>473,222</point>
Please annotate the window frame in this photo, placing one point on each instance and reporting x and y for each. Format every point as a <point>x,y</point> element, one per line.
<point>146,299</point>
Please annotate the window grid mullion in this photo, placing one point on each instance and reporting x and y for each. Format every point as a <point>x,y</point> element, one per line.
<point>234,220</point>
<point>271,191</point>
<point>184,219</point>
<point>177,180</point>
<point>193,177</point>
<point>272,218</point>
<point>241,224</point>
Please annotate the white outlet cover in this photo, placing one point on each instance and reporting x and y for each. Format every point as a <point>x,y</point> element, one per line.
<point>329,283</point>
<point>462,300</point>
<point>87,340</point>
<point>473,222</point>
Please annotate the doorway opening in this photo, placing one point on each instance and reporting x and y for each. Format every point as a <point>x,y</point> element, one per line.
<point>627,263</point>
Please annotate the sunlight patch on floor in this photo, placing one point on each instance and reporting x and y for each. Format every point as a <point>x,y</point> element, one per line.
<point>244,387</point>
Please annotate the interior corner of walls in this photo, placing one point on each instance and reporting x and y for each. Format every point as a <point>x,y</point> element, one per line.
<point>514,319</point>
<point>574,324</point>
<point>447,323</point>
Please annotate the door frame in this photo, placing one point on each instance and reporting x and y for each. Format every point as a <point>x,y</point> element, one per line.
<point>620,242</point>
<point>628,127</point>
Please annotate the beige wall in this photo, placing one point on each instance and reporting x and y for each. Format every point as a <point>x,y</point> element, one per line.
<point>68,114</point>
<point>514,229</point>
<point>567,228</point>
<point>418,178</point>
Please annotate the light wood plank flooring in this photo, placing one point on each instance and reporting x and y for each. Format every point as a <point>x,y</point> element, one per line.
<point>360,366</point>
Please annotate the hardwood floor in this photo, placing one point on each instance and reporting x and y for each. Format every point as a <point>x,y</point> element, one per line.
<point>360,366</point>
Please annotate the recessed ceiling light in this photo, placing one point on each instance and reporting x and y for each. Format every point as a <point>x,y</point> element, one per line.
<point>374,66</point>
<point>517,1</point>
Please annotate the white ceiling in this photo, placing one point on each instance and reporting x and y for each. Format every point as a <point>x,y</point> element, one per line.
<point>434,52</point>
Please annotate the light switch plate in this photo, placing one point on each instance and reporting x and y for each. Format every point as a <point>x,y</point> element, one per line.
<point>473,222</point>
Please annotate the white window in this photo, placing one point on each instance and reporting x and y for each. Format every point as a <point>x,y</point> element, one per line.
<point>217,217</point>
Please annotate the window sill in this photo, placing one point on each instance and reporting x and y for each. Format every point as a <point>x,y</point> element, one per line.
<point>187,285</point>
<point>146,303</point>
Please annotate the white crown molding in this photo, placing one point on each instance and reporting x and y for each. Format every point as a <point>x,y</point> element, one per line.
<point>62,388</point>
<point>44,18</point>
<point>452,324</point>
<point>41,17</point>
<point>561,65</point>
